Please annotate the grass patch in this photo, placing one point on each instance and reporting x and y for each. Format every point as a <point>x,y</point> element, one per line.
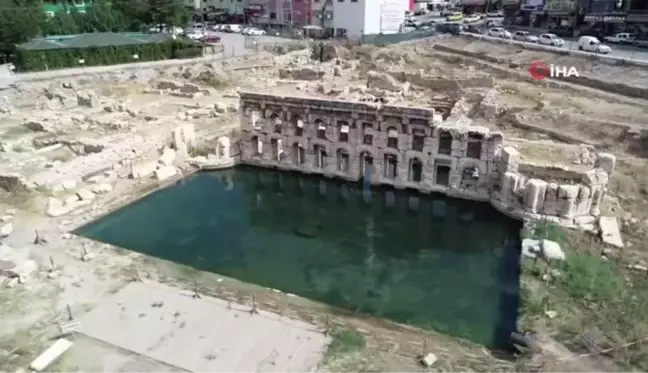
<point>345,342</point>
<point>599,303</point>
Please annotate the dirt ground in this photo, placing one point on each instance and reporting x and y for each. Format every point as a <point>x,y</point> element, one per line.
<point>131,117</point>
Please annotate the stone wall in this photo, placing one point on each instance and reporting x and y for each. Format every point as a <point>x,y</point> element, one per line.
<point>562,195</point>
<point>412,148</point>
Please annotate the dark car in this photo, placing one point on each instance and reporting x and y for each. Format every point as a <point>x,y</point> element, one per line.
<point>211,39</point>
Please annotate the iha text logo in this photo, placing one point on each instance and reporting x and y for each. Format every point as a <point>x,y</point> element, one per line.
<point>540,70</point>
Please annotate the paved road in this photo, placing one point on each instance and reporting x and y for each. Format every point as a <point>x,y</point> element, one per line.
<point>622,51</point>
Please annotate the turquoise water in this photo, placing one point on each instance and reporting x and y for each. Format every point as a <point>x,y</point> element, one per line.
<point>429,261</point>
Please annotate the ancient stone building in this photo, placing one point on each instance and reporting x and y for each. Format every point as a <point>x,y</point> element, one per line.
<point>412,148</point>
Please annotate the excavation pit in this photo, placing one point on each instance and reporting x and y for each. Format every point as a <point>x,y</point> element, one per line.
<point>429,261</point>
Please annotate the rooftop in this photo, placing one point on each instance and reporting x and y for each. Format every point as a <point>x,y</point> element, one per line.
<point>98,39</point>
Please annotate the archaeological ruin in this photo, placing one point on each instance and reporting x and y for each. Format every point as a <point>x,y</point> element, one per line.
<point>418,148</point>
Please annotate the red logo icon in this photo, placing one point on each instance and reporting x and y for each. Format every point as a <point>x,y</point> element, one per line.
<point>539,70</point>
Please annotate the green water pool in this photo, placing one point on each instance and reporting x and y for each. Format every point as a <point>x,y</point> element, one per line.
<point>424,260</point>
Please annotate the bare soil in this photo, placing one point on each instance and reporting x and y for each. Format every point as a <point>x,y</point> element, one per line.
<point>539,120</point>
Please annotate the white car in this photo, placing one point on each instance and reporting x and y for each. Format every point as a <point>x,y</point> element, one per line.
<point>552,39</point>
<point>622,38</point>
<point>493,22</point>
<point>255,32</point>
<point>525,36</point>
<point>592,44</point>
<point>472,18</point>
<point>195,35</point>
<point>252,31</point>
<point>498,32</point>
<point>496,14</point>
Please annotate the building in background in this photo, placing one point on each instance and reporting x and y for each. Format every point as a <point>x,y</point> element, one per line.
<point>511,11</point>
<point>231,6</point>
<point>480,6</point>
<point>51,7</point>
<point>431,5</point>
<point>302,12</point>
<point>354,18</point>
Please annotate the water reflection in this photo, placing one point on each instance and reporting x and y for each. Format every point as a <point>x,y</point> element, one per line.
<point>428,261</point>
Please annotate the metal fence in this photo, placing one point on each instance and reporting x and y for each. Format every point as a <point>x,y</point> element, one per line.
<point>386,39</point>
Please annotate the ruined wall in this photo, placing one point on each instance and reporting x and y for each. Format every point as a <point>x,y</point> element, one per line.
<point>410,148</point>
<point>558,194</point>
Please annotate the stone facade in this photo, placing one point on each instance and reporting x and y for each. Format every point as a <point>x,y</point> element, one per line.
<point>413,148</point>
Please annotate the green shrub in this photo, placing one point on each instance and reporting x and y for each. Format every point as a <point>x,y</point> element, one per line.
<point>27,60</point>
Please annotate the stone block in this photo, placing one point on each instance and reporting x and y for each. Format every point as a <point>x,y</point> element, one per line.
<point>183,137</point>
<point>143,169</point>
<point>168,157</point>
<point>534,195</point>
<point>85,194</point>
<point>165,172</point>
<point>509,184</point>
<point>550,206</point>
<point>6,229</point>
<point>606,161</point>
<point>101,188</point>
<point>56,207</point>
<point>510,157</point>
<point>584,200</point>
<point>595,177</point>
<point>610,233</point>
<point>567,195</point>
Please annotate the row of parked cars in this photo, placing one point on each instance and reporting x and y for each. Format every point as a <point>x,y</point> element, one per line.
<point>585,43</point>
<point>626,38</point>
<point>198,28</point>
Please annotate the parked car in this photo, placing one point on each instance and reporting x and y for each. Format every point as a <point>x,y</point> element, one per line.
<point>195,34</point>
<point>455,17</point>
<point>211,39</point>
<point>525,36</point>
<point>592,44</point>
<point>494,23</point>
<point>448,12</point>
<point>233,28</point>
<point>551,39</point>
<point>471,19</point>
<point>256,32</point>
<point>622,38</point>
<point>496,14</point>
<point>498,32</point>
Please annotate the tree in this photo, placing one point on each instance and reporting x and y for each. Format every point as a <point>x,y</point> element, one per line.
<point>63,23</point>
<point>101,17</point>
<point>20,21</point>
<point>168,12</point>
<point>79,19</point>
<point>135,12</point>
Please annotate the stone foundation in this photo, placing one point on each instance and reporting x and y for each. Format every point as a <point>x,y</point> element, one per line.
<point>413,148</point>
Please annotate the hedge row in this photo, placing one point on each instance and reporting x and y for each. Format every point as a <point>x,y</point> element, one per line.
<point>27,60</point>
